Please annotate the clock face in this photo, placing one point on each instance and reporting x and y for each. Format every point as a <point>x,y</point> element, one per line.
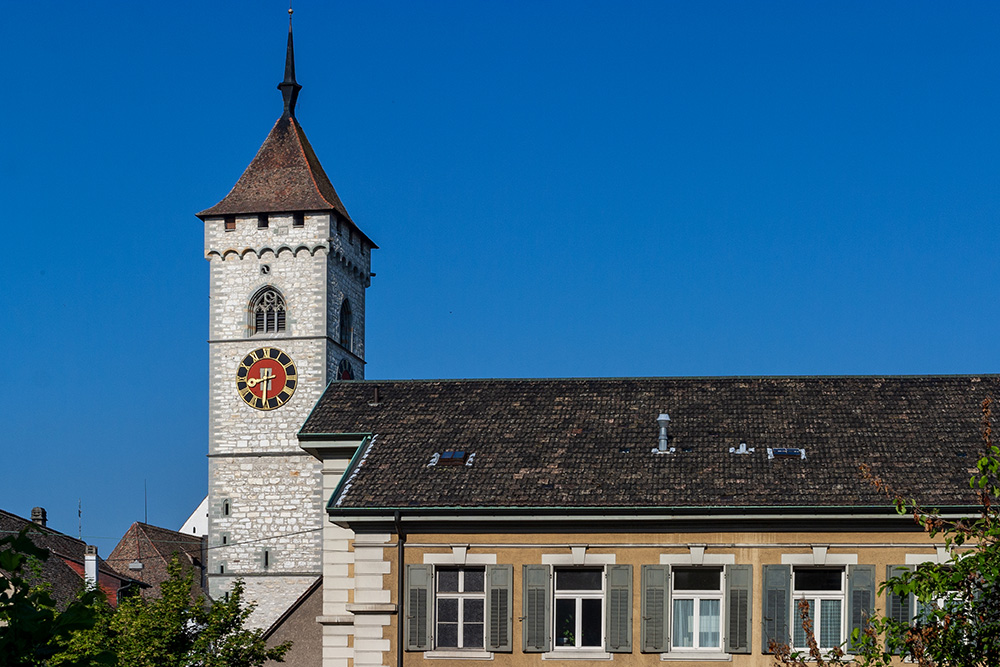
<point>266,378</point>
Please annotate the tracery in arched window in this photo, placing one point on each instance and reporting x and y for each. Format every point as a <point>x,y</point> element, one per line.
<point>345,371</point>
<point>267,311</point>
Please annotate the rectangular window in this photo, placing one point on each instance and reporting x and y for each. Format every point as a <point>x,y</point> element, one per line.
<point>230,223</point>
<point>823,590</point>
<point>696,615</point>
<point>460,600</point>
<point>298,220</point>
<point>262,221</point>
<point>579,608</point>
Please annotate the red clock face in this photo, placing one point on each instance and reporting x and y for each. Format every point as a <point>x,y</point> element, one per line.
<point>266,378</point>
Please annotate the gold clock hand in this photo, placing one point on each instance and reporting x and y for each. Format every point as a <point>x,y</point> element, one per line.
<point>253,382</point>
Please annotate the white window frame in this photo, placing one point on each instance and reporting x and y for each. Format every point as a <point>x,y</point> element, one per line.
<point>696,556</point>
<point>817,597</point>
<point>579,595</point>
<point>459,557</point>
<point>941,556</point>
<point>579,556</point>
<point>461,596</point>
<point>697,596</point>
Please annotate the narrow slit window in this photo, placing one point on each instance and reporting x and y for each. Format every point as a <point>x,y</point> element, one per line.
<point>346,326</point>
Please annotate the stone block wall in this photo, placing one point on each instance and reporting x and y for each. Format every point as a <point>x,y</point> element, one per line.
<point>272,489</point>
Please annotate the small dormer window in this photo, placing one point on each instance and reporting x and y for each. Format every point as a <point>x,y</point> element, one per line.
<point>453,457</point>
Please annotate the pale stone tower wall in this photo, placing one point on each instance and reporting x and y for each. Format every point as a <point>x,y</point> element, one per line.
<point>273,489</point>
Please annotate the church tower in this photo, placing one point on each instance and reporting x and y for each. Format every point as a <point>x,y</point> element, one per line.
<point>289,269</point>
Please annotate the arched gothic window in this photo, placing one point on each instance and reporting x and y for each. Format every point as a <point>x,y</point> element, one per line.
<point>267,311</point>
<point>345,371</point>
<point>346,326</point>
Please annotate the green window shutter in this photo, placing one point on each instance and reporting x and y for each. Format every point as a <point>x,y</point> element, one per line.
<point>537,608</point>
<point>739,606</point>
<point>898,607</point>
<point>655,608</point>
<point>618,604</point>
<point>860,599</point>
<point>777,606</point>
<point>499,601</point>
<point>419,606</point>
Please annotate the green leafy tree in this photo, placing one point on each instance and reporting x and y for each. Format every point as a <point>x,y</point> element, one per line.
<point>32,629</point>
<point>175,630</point>
<point>957,619</point>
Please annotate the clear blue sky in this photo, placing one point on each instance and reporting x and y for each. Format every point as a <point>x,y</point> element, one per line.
<point>558,189</point>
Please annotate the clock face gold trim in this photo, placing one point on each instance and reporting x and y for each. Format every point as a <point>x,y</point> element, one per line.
<point>266,378</point>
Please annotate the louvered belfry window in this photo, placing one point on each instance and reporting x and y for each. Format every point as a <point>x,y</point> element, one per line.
<point>267,312</point>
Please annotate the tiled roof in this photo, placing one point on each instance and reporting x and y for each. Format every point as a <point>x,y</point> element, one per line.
<point>284,176</point>
<point>154,547</point>
<point>586,443</point>
<point>63,570</point>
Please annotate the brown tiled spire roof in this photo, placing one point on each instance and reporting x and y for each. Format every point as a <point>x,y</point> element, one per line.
<point>285,175</point>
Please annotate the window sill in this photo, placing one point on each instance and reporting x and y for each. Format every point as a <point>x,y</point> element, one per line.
<point>577,654</point>
<point>458,654</point>
<point>706,656</point>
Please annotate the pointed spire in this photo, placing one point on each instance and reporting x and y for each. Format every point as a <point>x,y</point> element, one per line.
<point>289,87</point>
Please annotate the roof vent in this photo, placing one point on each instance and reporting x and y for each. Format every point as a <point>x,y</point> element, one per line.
<point>786,453</point>
<point>135,565</point>
<point>743,449</point>
<point>376,399</point>
<point>664,421</point>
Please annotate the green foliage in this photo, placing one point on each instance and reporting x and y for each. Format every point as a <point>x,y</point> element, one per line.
<point>957,621</point>
<point>175,630</point>
<point>32,629</point>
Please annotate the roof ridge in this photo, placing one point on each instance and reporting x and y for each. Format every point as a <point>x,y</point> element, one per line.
<point>873,376</point>
<point>299,132</point>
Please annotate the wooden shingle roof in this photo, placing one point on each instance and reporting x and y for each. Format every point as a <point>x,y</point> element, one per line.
<point>587,443</point>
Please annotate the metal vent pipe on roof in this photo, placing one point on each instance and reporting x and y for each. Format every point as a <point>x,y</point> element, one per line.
<point>664,421</point>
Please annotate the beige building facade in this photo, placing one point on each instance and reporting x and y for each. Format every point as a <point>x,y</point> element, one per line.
<point>698,551</point>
